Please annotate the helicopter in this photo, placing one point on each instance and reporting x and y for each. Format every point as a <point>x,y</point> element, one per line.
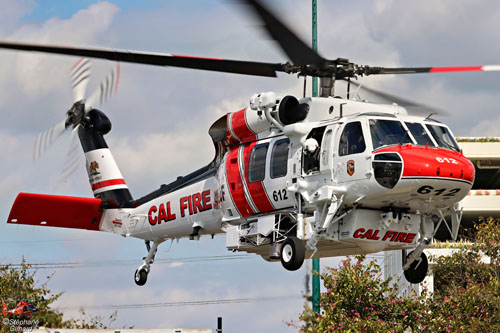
<point>23,308</point>
<point>291,177</point>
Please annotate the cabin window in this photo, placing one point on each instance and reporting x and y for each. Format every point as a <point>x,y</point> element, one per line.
<point>352,140</point>
<point>443,137</point>
<point>419,133</point>
<point>388,132</point>
<point>257,165</point>
<point>279,158</point>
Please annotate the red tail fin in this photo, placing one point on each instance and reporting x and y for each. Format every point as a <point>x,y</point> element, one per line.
<point>56,211</point>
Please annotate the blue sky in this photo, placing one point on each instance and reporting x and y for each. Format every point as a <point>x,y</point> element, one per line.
<point>160,120</point>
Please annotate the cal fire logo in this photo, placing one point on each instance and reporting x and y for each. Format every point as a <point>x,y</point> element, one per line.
<point>191,204</point>
<point>389,236</point>
<point>350,167</point>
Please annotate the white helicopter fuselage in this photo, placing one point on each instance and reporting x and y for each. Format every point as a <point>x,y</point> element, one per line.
<point>346,200</point>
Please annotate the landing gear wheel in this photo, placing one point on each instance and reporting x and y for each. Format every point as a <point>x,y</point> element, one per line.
<point>292,253</point>
<point>140,277</point>
<point>418,270</point>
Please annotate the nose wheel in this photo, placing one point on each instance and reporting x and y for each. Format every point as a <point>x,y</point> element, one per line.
<point>292,253</point>
<point>141,274</point>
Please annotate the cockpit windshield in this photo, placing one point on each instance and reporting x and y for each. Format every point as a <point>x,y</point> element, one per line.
<point>419,133</point>
<point>443,137</point>
<point>388,132</point>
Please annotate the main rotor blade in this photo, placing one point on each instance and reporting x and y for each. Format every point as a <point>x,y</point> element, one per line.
<point>158,59</point>
<point>413,107</point>
<point>299,52</point>
<point>416,70</point>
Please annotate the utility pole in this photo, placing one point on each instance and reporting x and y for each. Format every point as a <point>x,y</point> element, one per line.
<point>315,261</point>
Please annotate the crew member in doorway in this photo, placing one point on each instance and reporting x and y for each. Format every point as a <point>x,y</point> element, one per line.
<point>311,156</point>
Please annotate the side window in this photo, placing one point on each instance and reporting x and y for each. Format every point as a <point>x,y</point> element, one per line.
<point>279,158</point>
<point>352,140</point>
<point>257,165</point>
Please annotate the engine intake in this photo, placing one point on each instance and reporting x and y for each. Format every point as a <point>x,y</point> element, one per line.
<point>291,111</point>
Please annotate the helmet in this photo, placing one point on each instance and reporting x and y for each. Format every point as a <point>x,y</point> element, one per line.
<point>311,145</point>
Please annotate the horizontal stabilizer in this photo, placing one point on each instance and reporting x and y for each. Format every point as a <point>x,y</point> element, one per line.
<point>56,211</point>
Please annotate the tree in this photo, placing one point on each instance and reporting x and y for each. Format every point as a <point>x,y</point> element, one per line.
<point>466,294</point>
<point>358,299</point>
<point>19,283</point>
<point>467,284</point>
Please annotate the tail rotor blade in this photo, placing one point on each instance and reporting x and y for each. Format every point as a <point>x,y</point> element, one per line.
<point>73,157</point>
<point>80,76</point>
<point>108,88</point>
<point>45,139</point>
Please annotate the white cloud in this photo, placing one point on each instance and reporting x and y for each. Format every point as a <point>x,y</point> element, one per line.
<point>12,11</point>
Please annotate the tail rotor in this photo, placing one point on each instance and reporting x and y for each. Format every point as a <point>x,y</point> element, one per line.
<point>80,77</point>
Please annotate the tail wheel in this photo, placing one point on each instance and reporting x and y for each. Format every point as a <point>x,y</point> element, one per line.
<point>418,270</point>
<point>140,277</point>
<point>292,253</point>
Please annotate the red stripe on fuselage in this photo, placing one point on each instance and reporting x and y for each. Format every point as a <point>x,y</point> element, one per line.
<point>240,128</point>
<point>256,189</point>
<point>235,183</point>
<point>106,183</point>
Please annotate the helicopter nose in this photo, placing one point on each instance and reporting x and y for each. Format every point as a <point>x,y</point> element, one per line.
<point>425,162</point>
<point>416,162</point>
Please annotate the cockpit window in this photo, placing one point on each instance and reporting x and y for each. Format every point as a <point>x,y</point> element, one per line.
<point>419,133</point>
<point>443,137</point>
<point>387,132</point>
<point>352,140</point>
